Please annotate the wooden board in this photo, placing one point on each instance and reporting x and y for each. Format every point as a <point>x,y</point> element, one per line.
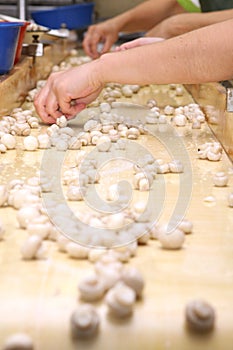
<point>38,297</point>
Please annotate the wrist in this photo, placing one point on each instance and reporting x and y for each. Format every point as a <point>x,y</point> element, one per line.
<point>98,71</point>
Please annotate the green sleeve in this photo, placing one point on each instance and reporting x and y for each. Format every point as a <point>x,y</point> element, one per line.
<point>216,5</point>
<point>189,6</point>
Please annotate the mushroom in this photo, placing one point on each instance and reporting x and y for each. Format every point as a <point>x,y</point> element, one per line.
<point>18,341</point>
<point>200,316</point>
<point>84,322</point>
<point>176,166</point>
<point>133,278</point>
<point>30,143</point>
<point>230,200</point>
<point>171,240</point>
<point>180,120</point>
<point>3,195</point>
<point>27,214</point>
<point>9,141</point>
<point>62,122</point>
<point>103,144</point>
<point>2,230</point>
<point>91,288</point>
<point>76,251</point>
<point>120,300</point>
<point>186,226</point>
<point>220,179</point>
<point>33,248</point>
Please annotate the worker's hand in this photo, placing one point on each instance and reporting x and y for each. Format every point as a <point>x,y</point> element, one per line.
<point>68,92</point>
<point>105,33</point>
<point>137,42</point>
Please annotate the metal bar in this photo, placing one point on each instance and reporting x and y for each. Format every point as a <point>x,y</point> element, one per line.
<point>22,9</point>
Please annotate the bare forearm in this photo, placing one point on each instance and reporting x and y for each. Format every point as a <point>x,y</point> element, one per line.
<point>199,56</point>
<point>146,15</point>
<point>186,22</point>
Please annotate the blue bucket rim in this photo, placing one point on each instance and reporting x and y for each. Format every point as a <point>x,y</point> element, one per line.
<point>11,24</point>
<point>60,8</point>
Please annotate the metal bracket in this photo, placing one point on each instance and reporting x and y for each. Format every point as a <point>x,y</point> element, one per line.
<point>230,99</point>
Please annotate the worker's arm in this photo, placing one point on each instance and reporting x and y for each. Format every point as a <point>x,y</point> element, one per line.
<point>140,18</point>
<point>199,56</point>
<point>186,22</point>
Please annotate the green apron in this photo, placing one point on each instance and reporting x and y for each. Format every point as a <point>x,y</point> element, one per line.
<point>215,5</point>
<point>206,5</point>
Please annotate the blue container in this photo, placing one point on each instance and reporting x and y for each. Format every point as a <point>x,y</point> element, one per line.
<point>9,34</point>
<point>72,17</point>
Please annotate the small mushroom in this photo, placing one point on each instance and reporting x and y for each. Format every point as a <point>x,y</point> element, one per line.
<point>168,110</point>
<point>18,341</point>
<point>186,226</point>
<point>230,200</point>
<point>9,141</point>
<point>171,240</point>
<point>103,144</point>
<point>180,120</point>
<point>120,300</point>
<point>62,122</point>
<point>176,166</point>
<point>2,230</point>
<point>76,251</point>
<point>200,316</point>
<point>27,214</point>
<point>91,288</point>
<point>3,195</point>
<point>220,179</point>
<point>33,248</point>
<point>43,141</point>
<point>30,143</point>
<point>133,278</point>
<point>84,322</point>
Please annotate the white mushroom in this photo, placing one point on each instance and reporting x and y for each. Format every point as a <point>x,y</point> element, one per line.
<point>180,120</point>
<point>84,322</point>
<point>3,195</point>
<point>104,144</point>
<point>200,316</point>
<point>33,248</point>
<point>230,200</point>
<point>2,230</point>
<point>171,240</point>
<point>176,166</point>
<point>105,107</point>
<point>168,110</point>
<point>9,141</point>
<point>18,341</point>
<point>120,300</point>
<point>126,91</point>
<point>220,179</point>
<point>30,143</point>
<point>43,141</point>
<point>76,251</point>
<point>186,226</point>
<point>132,133</point>
<point>179,91</point>
<point>61,145</point>
<point>75,193</point>
<point>61,122</point>
<point>91,288</point>
<point>133,278</point>
<point>3,148</point>
<point>27,214</point>
<point>41,229</point>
